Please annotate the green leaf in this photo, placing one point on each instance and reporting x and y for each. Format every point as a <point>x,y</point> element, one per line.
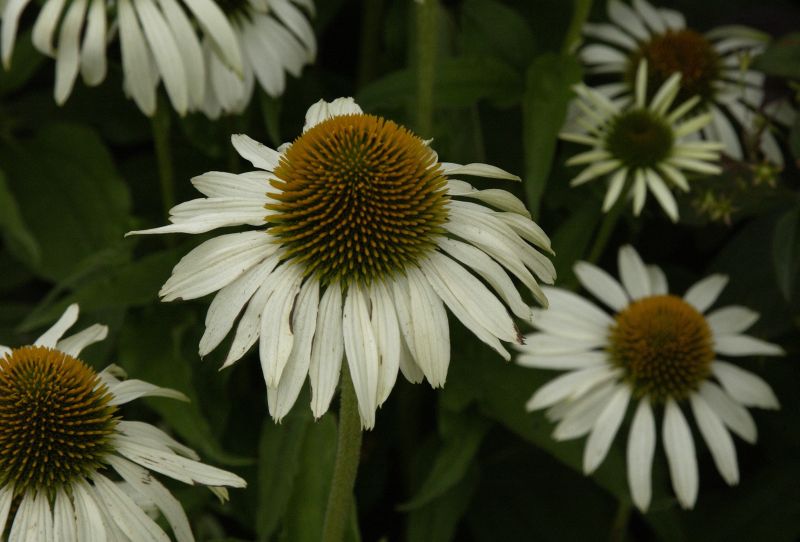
<point>306,511</point>
<point>69,194</point>
<point>19,239</point>
<point>492,28</point>
<point>544,107</point>
<point>278,465</point>
<point>25,61</point>
<point>782,57</point>
<point>438,520</point>
<point>150,350</point>
<point>459,82</point>
<point>786,252</point>
<point>462,434</point>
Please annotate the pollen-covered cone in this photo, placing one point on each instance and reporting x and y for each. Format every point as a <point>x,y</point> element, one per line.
<point>360,239</point>
<point>715,67</point>
<point>71,468</point>
<point>657,353</point>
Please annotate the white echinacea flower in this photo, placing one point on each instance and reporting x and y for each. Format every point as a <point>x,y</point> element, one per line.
<point>72,468</point>
<point>657,352</point>
<point>204,51</point>
<point>714,66</point>
<point>643,145</point>
<point>360,238</point>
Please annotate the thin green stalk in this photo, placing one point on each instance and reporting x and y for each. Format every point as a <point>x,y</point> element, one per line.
<point>345,468</point>
<point>619,529</point>
<point>580,11</point>
<point>425,51</point>
<point>160,123</point>
<point>606,229</point>
<point>371,32</point>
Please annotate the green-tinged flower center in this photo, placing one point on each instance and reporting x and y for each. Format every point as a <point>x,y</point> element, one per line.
<point>684,51</point>
<point>359,198</point>
<point>639,138</point>
<point>664,346</point>
<point>55,419</point>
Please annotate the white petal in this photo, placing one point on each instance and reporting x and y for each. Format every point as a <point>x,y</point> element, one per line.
<point>747,388</point>
<point>595,170</point>
<point>189,49</point>
<point>602,285</point>
<point>88,518</point>
<point>45,26</point>
<point>605,429</point>
<point>744,345</point>
<point>641,448</point>
<point>249,328</point>
<point>704,293</point>
<point>611,34</point>
<point>402,305</point>
<point>679,447</point>
<point>577,307</point>
<point>361,348</point>
<point>64,527</point>
<point>130,390</point>
<point>545,344</point>
<point>650,15</point>
<point>633,273</point>
<point>276,338</point>
<point>615,186</point>
<point>658,280</point>
<point>50,337</point>
<point>126,514</point>
<point>672,18</point>
<point>12,10</point>
<point>477,170</point>
<point>73,344</point>
<point>500,199</point>
<point>297,23</point>
<point>430,334</point>
<point>569,386</point>
<point>567,361</point>
<point>323,110</point>
<point>577,417</point>
<point>387,336</point>
<point>639,192</point>
<point>216,26</point>
<point>256,153</point>
<point>627,19</point>
<point>327,351</point>
<point>219,184</point>
<point>725,132</point>
<point>565,324</point>
<point>6,496</point>
<point>731,320</point>
<point>136,63</point>
<point>732,414</point>
<point>662,194</point>
<point>717,438</point>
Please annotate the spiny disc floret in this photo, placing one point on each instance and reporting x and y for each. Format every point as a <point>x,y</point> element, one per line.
<point>683,51</point>
<point>55,419</point>
<point>639,138</point>
<point>664,346</point>
<point>358,198</point>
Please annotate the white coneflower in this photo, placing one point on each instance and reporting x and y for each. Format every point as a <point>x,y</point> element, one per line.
<point>641,146</point>
<point>714,66</point>
<point>159,41</point>
<point>362,238</point>
<point>65,450</point>
<point>275,38</point>
<point>658,351</point>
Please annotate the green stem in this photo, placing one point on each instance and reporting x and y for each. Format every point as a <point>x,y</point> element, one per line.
<point>606,229</point>
<point>580,11</point>
<point>426,45</point>
<point>345,468</point>
<point>160,125</point>
<point>619,529</point>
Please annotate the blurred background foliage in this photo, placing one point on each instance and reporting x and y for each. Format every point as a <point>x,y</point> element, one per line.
<point>465,463</point>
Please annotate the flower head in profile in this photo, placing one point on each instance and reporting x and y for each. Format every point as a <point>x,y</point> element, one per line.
<point>360,238</point>
<point>642,146</point>
<point>204,51</point>
<point>658,353</point>
<point>71,467</point>
<point>714,66</point>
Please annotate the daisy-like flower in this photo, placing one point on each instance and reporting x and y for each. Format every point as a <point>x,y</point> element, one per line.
<point>203,51</point>
<point>641,146</point>
<point>714,66</point>
<point>655,352</point>
<point>361,238</point>
<point>274,36</point>
<point>71,467</point>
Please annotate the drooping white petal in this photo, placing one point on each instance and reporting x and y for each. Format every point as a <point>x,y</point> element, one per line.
<point>641,448</point>
<point>153,437</point>
<point>45,26</point>
<point>605,429</point>
<point>88,517</point>
<point>304,323</point>
<point>633,273</point>
<point>717,438</point>
<point>430,333</point>
<point>73,344</point>
<point>189,48</point>
<point>129,390</point>
<point>297,23</point>
<point>12,10</point>
<point>615,186</point>
<point>216,26</point>
<point>747,388</point>
<point>64,528</point>
<point>136,63</point>
<point>6,496</point>
<point>731,320</point>
<point>387,336</point>
<point>704,293</point>
<point>276,338</point>
<point>679,447</point>
<point>126,514</point>
<point>732,414</point>
<point>50,337</point>
<point>361,348</point>
<point>327,351</point>
<point>93,50</point>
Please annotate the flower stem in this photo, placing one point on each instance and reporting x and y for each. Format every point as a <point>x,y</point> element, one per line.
<point>426,45</point>
<point>345,468</point>
<point>160,124</point>
<point>580,11</point>
<point>619,529</point>
<point>606,229</point>
<point>371,33</point>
